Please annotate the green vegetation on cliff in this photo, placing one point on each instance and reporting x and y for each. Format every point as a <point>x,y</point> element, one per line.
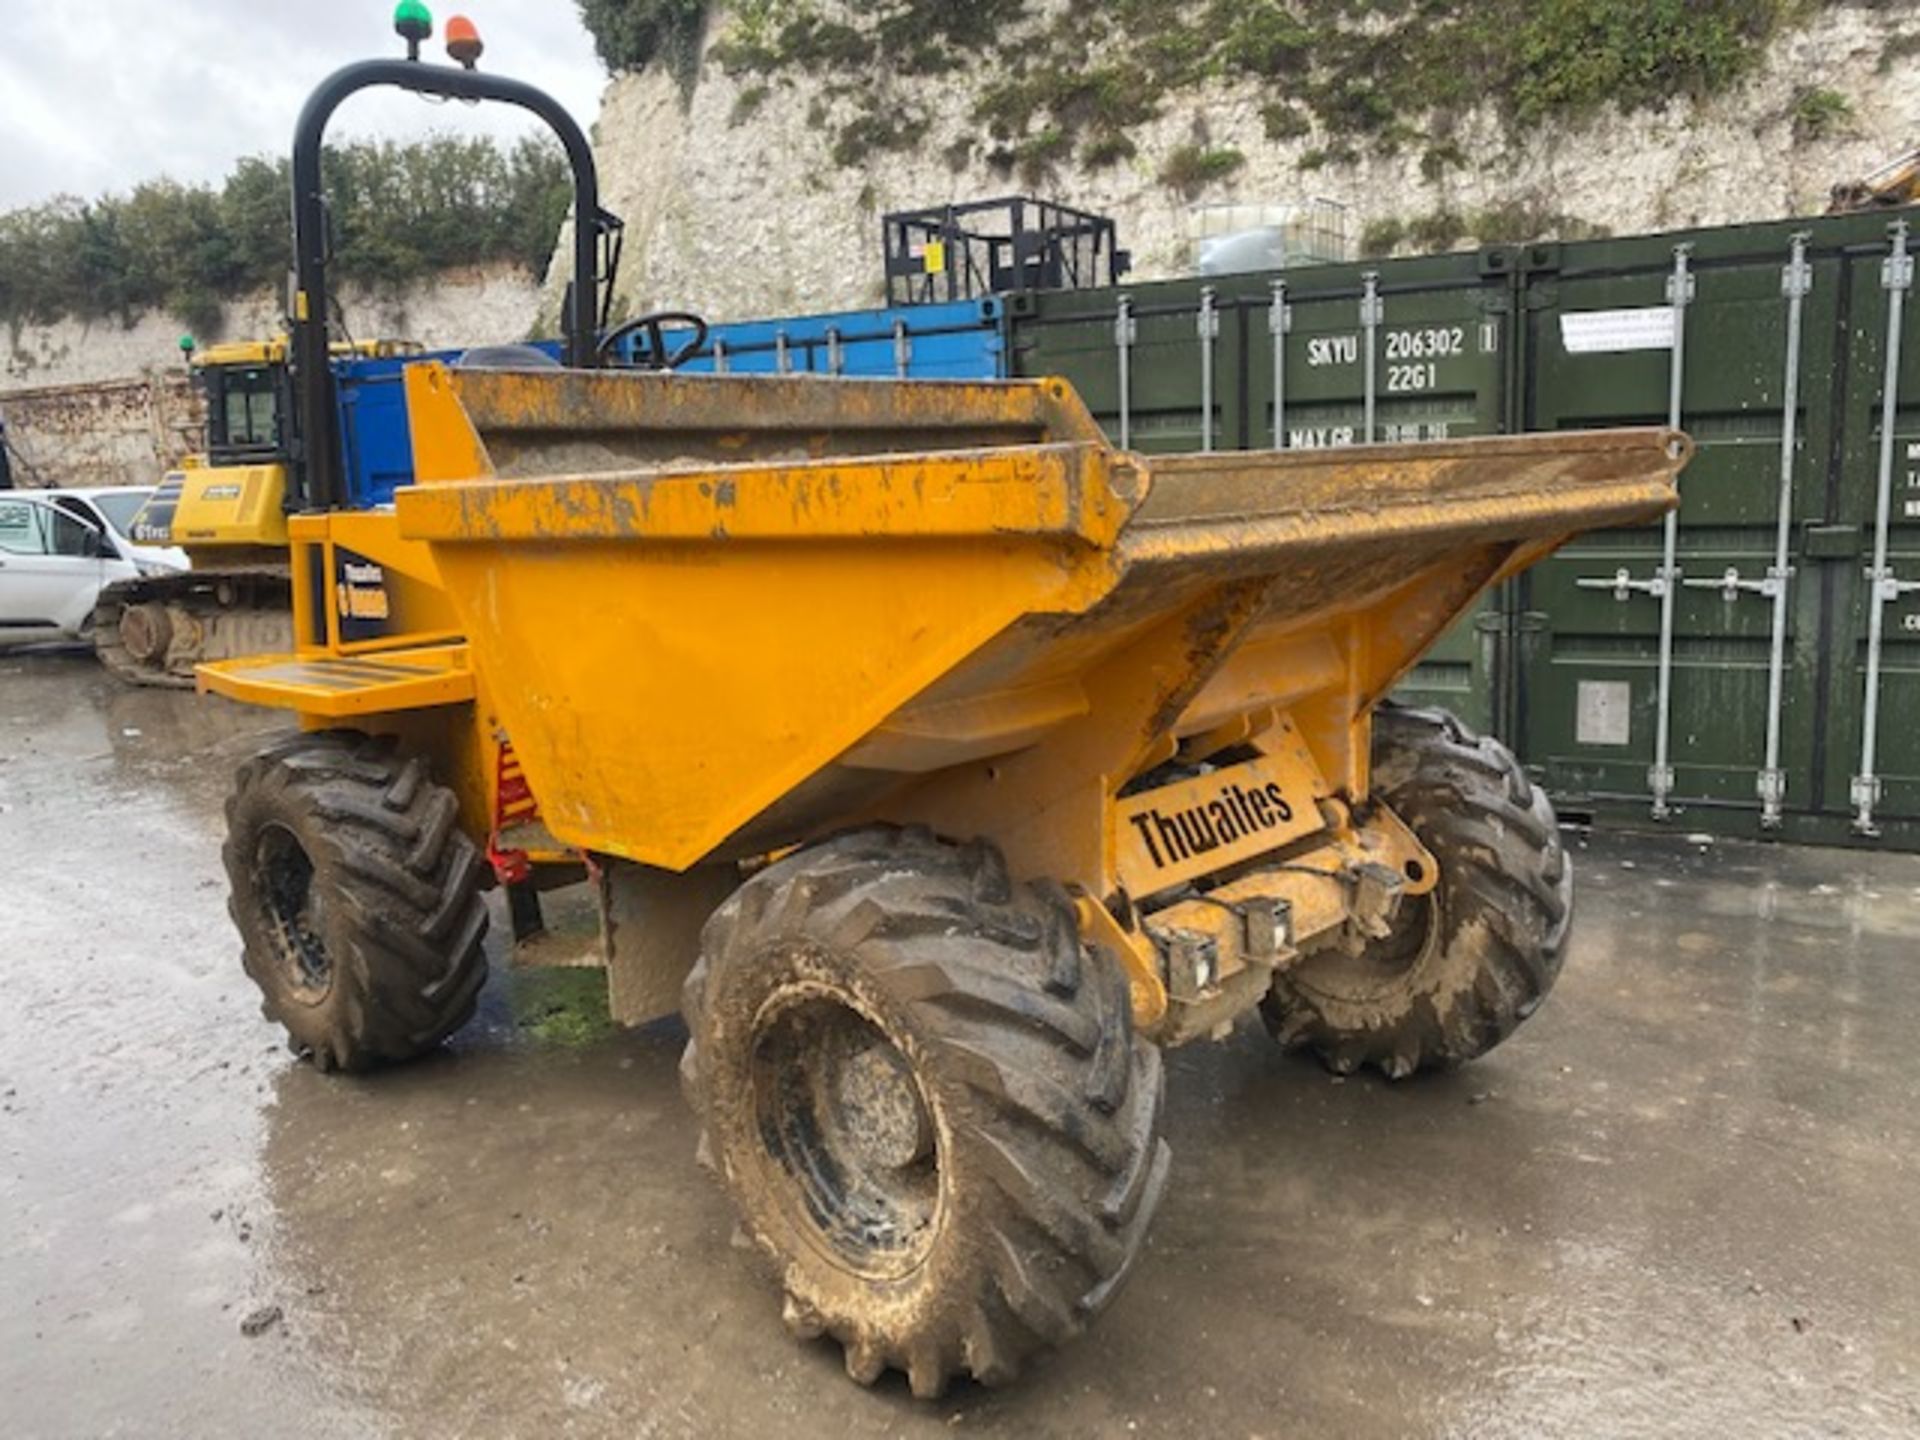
<point>400,212</point>
<point>1054,83</point>
<point>631,34</point>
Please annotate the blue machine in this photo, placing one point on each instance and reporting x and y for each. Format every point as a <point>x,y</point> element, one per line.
<point>957,341</point>
<point>961,340</point>
<point>376,448</point>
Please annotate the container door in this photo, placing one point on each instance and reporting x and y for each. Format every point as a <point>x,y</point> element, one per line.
<point>1870,681</point>
<point>1648,679</point>
<point>1158,365</point>
<point>1439,347</point>
<point>1398,353</point>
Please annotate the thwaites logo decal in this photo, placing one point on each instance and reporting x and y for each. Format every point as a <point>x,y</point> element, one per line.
<point>361,597</point>
<point>1199,829</point>
<point>1179,832</point>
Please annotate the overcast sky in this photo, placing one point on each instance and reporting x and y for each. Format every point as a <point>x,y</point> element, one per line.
<point>98,95</point>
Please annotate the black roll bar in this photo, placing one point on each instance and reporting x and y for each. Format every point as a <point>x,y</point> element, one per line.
<point>318,482</point>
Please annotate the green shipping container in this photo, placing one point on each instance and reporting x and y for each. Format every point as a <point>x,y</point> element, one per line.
<point>1322,356</point>
<point>1730,672</point>
<point>1713,673</point>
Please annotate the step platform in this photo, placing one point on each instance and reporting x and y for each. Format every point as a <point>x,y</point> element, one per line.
<point>337,687</point>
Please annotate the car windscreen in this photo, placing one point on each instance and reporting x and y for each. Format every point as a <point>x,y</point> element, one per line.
<point>120,508</point>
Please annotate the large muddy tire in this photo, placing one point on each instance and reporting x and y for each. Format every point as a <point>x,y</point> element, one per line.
<point>357,897</point>
<point>1467,963</point>
<point>927,1100</point>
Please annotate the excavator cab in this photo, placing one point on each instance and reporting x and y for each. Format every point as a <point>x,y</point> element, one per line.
<point>233,496</point>
<point>228,504</point>
<point>246,398</point>
<point>232,493</point>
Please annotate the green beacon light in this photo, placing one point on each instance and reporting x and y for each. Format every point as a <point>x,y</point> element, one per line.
<point>413,22</point>
<point>187,348</point>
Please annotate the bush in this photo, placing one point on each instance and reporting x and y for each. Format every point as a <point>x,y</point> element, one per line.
<point>1438,232</point>
<point>1283,120</point>
<point>1189,169</point>
<point>632,34</point>
<point>400,212</point>
<point>748,102</point>
<point>1381,238</point>
<point>1579,54</point>
<point>1108,150</point>
<point>1037,156</point>
<point>1819,114</point>
<point>871,134</point>
<point>1269,40</point>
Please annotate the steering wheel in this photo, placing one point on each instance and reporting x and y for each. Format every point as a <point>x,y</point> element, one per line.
<point>657,353</point>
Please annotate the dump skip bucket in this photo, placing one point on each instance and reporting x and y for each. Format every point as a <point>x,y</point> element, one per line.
<point>720,615</point>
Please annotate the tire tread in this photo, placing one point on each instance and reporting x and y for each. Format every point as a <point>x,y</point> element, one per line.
<point>405,880</point>
<point>1503,869</point>
<point>1064,1164</point>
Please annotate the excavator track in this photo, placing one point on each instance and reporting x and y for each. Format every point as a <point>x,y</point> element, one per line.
<point>154,631</point>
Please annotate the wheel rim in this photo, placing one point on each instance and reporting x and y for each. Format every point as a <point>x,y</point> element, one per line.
<point>283,879</point>
<point>847,1133</point>
<point>145,631</point>
<point>1384,967</point>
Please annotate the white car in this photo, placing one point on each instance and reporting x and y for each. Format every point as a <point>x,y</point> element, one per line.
<point>114,507</point>
<point>58,550</point>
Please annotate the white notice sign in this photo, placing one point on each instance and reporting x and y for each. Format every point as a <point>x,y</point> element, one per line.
<point>1604,713</point>
<point>1614,332</point>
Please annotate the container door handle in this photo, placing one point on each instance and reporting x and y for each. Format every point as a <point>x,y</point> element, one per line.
<point>1732,585</point>
<point>1625,587</point>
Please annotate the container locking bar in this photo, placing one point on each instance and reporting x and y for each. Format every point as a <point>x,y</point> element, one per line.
<point>1896,276</point>
<point>1372,314</point>
<point>1208,326</point>
<point>1624,586</point>
<point>1796,283</point>
<point>1680,294</point>
<point>1126,334</point>
<point>1732,585</point>
<point>1280,324</point>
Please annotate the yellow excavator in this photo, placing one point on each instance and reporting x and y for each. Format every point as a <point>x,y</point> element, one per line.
<point>1895,183</point>
<point>227,508</point>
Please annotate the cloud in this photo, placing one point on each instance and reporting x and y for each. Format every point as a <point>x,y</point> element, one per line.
<point>101,96</point>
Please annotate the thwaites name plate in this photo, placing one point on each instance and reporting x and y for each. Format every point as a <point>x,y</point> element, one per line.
<point>1182,831</point>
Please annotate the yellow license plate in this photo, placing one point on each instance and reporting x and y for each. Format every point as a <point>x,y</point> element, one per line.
<point>1182,831</point>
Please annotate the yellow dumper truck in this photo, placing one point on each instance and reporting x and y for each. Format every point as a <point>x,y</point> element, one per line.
<point>940,762</point>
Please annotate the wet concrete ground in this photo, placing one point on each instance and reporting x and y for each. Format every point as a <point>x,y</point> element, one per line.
<point>1684,1201</point>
